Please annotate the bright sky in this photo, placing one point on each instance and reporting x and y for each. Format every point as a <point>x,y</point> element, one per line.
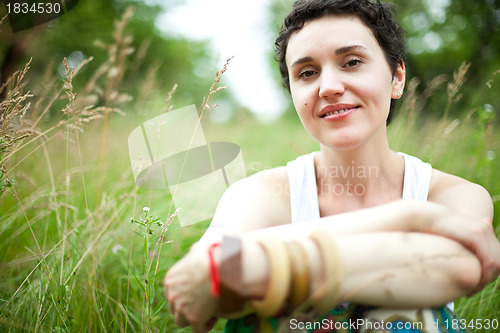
<point>239,29</point>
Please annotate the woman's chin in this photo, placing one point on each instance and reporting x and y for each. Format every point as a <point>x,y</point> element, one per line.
<point>341,143</point>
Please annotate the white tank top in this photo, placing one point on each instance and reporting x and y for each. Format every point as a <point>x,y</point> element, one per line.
<point>304,191</point>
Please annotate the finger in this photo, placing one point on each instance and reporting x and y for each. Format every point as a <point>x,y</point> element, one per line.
<point>199,327</point>
<point>211,323</point>
<point>169,295</point>
<point>180,319</point>
<point>171,302</point>
<point>487,274</point>
<point>171,305</point>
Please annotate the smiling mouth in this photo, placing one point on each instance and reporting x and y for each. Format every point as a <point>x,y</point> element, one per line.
<point>338,111</point>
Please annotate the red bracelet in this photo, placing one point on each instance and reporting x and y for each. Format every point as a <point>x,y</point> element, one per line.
<point>214,272</point>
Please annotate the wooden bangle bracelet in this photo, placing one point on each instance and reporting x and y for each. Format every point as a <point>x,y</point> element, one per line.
<point>327,295</point>
<point>279,278</point>
<point>299,289</point>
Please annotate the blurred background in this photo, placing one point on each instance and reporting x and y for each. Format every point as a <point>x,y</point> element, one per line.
<point>78,251</point>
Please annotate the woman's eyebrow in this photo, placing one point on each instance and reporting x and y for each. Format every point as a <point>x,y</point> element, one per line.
<point>301,61</point>
<point>339,51</point>
<point>349,48</point>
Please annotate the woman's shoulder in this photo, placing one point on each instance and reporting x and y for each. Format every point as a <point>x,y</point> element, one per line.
<point>460,194</point>
<point>271,184</point>
<point>258,201</point>
<point>265,180</point>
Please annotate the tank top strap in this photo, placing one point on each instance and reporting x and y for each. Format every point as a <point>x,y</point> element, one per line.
<point>417,178</point>
<point>303,189</point>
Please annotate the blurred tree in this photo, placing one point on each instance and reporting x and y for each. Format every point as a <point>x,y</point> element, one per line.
<point>444,33</point>
<point>83,31</point>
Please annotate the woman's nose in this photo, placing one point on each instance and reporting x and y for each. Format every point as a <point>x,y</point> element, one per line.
<point>331,84</point>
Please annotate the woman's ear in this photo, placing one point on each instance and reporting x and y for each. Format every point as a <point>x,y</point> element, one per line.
<point>398,81</point>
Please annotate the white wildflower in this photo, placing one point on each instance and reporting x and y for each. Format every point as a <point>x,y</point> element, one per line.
<point>146,209</point>
<point>116,248</point>
<point>490,155</point>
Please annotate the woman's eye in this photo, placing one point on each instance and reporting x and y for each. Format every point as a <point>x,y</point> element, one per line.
<point>306,74</point>
<point>352,63</point>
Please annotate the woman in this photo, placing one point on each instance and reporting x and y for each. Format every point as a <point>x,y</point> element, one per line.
<point>405,235</point>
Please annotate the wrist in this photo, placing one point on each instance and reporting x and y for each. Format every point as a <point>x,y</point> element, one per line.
<point>255,268</point>
<point>420,215</point>
<point>428,214</point>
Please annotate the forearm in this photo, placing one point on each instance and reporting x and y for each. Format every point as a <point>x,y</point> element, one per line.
<point>405,270</point>
<point>404,216</point>
<point>385,269</point>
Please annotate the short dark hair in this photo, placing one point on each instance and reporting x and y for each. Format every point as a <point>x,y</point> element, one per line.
<point>377,16</point>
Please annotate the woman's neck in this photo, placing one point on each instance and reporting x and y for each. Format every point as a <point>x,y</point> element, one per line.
<point>364,176</point>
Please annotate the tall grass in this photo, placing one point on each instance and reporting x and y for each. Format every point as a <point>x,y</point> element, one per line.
<point>70,258</point>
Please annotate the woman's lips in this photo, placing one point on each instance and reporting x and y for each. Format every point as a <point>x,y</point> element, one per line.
<point>337,112</point>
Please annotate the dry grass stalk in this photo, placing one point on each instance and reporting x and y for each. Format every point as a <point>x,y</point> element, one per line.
<point>454,87</point>
<point>205,106</point>
<point>148,85</point>
<point>161,239</point>
<point>431,88</point>
<point>114,68</point>
<point>138,59</point>
<point>168,107</point>
<point>214,90</point>
<point>1,21</point>
<point>14,125</point>
<point>410,102</point>
<point>490,81</point>
<point>77,116</point>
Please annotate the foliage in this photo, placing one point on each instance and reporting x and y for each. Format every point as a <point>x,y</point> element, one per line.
<point>87,29</point>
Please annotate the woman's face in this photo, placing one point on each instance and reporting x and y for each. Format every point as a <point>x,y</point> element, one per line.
<point>340,81</point>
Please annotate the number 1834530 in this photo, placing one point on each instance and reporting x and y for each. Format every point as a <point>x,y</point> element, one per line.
<point>471,324</point>
<point>37,7</point>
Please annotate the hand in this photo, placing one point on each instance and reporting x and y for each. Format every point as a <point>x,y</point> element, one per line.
<point>475,234</point>
<point>187,289</point>
<point>484,243</point>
